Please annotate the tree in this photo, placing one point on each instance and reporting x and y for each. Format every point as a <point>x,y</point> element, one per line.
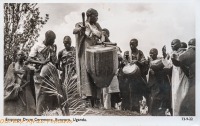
<point>22,23</point>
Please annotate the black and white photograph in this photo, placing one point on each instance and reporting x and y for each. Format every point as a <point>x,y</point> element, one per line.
<point>127,59</point>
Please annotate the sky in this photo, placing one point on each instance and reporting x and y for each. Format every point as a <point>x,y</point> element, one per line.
<point>154,24</point>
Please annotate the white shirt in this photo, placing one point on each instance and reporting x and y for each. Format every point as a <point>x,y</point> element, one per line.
<point>37,48</point>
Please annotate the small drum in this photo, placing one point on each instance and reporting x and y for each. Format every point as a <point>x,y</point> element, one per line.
<point>132,70</point>
<point>156,64</point>
<point>101,64</point>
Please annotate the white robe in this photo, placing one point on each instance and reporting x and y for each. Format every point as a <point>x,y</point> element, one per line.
<point>179,85</point>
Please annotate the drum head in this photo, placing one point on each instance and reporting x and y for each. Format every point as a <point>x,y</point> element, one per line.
<point>131,70</point>
<point>100,48</point>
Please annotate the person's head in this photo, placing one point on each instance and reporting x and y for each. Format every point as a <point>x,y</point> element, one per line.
<point>126,55</point>
<point>106,32</point>
<point>20,55</point>
<point>67,42</point>
<point>183,45</point>
<point>192,42</point>
<point>50,37</point>
<point>153,53</point>
<point>176,44</point>
<point>92,15</point>
<point>133,44</point>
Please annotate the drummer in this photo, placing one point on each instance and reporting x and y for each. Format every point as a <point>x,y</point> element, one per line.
<point>111,94</point>
<point>93,32</point>
<point>159,86</point>
<point>134,87</point>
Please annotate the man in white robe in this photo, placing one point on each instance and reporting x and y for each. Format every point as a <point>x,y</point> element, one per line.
<point>179,81</point>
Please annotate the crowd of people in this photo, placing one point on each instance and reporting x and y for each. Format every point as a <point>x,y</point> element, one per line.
<point>161,86</point>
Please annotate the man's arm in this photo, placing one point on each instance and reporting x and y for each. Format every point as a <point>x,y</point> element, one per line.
<point>33,53</point>
<point>59,59</point>
<point>18,71</point>
<point>143,60</point>
<point>32,60</point>
<point>78,28</point>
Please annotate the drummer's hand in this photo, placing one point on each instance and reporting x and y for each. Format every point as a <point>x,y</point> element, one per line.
<point>82,28</point>
<point>97,33</point>
<point>133,62</point>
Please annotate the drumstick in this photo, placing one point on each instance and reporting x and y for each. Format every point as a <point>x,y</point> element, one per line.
<point>83,37</point>
<point>109,43</point>
<point>83,18</point>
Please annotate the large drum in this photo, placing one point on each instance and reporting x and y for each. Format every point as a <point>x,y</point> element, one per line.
<point>101,64</point>
<point>131,70</point>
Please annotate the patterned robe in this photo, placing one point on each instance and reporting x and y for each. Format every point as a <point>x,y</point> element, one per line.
<point>16,102</point>
<point>46,79</point>
<point>67,60</point>
<point>86,85</point>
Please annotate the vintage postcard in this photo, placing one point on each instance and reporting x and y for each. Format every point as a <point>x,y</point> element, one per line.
<point>100,62</point>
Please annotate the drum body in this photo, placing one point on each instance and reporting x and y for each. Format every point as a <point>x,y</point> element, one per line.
<point>131,70</point>
<point>101,64</point>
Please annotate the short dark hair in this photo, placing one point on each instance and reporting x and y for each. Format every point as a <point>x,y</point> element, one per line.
<point>135,40</point>
<point>91,11</point>
<point>66,37</point>
<point>183,45</point>
<point>177,41</point>
<point>107,31</point>
<point>154,50</point>
<point>192,42</point>
<point>50,34</point>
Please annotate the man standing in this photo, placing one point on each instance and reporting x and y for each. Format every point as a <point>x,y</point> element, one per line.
<point>65,57</point>
<point>135,87</point>
<point>86,36</point>
<point>187,63</point>
<point>111,94</point>
<point>18,96</point>
<point>47,86</point>
<point>179,81</point>
<point>159,85</point>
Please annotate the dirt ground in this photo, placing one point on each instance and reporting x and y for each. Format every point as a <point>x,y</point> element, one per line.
<point>104,112</point>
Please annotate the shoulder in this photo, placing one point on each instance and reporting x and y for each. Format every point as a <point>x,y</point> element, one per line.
<point>159,58</point>
<point>35,49</point>
<point>140,52</point>
<point>73,48</point>
<point>38,45</point>
<point>12,65</point>
<point>60,52</point>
